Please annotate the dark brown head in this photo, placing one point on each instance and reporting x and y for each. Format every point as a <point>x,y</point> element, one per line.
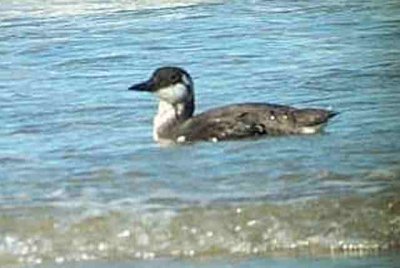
<point>171,84</point>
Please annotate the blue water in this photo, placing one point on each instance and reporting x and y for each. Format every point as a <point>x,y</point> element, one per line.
<point>81,178</point>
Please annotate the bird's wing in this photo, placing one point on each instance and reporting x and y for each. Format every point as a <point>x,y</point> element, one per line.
<point>250,119</point>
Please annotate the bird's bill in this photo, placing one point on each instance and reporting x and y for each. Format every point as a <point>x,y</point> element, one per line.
<point>144,86</point>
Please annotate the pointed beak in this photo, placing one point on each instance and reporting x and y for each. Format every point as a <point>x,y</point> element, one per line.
<point>147,86</point>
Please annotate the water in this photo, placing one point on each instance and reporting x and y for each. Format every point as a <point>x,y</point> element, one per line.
<point>81,180</point>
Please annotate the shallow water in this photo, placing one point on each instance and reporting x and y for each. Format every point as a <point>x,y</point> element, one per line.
<point>382,261</point>
<point>82,180</point>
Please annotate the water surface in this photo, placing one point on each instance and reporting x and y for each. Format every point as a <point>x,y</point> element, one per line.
<point>82,180</point>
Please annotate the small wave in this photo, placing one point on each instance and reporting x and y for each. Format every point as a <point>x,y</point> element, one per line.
<point>77,8</point>
<point>318,227</point>
<point>11,159</point>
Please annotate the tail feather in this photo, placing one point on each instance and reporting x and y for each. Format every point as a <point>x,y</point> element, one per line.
<point>332,114</point>
<point>312,117</point>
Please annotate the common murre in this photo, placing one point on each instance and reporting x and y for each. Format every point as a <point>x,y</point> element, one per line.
<point>175,122</point>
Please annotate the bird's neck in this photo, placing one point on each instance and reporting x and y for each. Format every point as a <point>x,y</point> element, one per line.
<point>169,116</point>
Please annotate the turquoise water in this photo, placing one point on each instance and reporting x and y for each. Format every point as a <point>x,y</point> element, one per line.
<point>81,180</point>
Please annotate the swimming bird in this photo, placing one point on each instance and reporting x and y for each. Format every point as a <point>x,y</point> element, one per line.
<point>175,120</point>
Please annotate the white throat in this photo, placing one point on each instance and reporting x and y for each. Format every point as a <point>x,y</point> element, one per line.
<point>165,116</point>
<point>168,117</point>
<point>175,106</point>
<point>174,93</point>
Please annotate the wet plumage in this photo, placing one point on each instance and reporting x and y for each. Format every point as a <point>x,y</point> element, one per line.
<point>175,121</point>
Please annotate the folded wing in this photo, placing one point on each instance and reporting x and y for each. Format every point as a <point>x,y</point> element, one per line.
<point>252,119</point>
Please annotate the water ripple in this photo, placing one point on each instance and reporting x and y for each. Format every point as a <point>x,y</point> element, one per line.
<point>78,165</point>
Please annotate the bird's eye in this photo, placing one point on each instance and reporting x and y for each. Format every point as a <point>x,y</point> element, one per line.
<point>174,78</point>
